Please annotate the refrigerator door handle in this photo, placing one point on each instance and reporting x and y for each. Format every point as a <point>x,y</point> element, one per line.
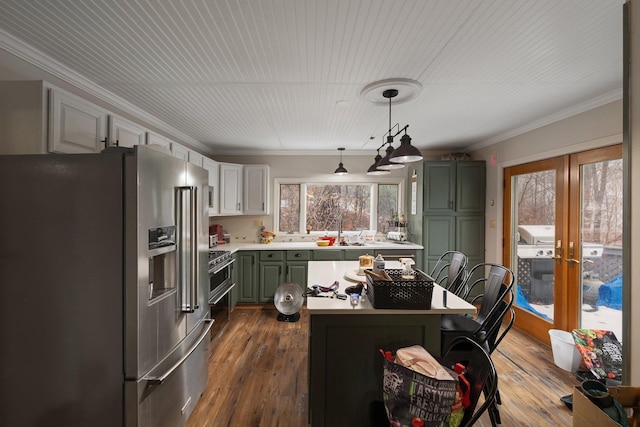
<point>186,218</point>
<point>159,379</point>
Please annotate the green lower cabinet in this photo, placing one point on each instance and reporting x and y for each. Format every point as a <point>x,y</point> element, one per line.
<point>234,294</point>
<point>297,273</point>
<point>345,368</point>
<point>246,267</point>
<point>271,276</point>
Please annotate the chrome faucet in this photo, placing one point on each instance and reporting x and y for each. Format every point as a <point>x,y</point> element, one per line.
<point>339,221</point>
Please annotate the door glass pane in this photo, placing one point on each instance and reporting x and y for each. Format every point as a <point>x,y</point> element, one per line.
<point>534,233</point>
<point>601,246</point>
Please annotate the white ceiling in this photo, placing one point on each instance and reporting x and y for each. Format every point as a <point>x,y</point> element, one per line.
<point>287,75</point>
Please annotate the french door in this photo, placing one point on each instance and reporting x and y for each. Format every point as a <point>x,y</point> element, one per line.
<point>563,240</point>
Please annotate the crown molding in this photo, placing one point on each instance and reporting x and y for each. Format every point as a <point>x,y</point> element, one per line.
<point>596,102</point>
<point>49,65</point>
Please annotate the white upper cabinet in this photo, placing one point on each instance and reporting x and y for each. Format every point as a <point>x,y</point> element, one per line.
<point>179,151</point>
<point>256,189</point>
<point>230,189</point>
<point>214,185</point>
<point>195,158</point>
<point>124,133</point>
<point>159,140</point>
<point>75,125</point>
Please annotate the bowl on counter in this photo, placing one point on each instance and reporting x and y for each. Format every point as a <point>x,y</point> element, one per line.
<point>322,242</point>
<point>330,239</point>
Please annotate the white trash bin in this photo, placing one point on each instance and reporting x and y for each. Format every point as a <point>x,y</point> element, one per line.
<point>565,353</point>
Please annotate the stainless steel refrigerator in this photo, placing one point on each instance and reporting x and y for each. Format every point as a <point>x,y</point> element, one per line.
<point>103,285</point>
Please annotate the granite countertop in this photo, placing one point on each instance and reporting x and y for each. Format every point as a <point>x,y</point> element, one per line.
<point>326,272</point>
<point>293,246</point>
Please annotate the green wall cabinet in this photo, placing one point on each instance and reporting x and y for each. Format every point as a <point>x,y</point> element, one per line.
<point>454,210</point>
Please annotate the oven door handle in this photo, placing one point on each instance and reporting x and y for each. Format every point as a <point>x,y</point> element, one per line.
<point>159,379</point>
<point>219,268</point>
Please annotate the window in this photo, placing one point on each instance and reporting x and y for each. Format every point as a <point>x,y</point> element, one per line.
<point>319,206</point>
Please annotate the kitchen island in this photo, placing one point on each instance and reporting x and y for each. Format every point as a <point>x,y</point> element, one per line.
<point>345,365</point>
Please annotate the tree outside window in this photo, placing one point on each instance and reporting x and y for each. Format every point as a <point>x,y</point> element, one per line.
<point>320,206</point>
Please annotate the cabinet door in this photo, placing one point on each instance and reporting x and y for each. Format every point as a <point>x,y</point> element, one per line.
<point>124,133</point>
<point>214,188</point>
<point>256,189</point>
<point>470,237</point>
<point>247,267</point>
<point>438,237</point>
<point>439,187</point>
<point>75,125</point>
<point>161,141</point>
<point>297,273</point>
<point>230,189</point>
<point>327,255</point>
<point>271,275</point>
<point>234,294</point>
<point>195,158</point>
<point>179,151</point>
<point>470,187</point>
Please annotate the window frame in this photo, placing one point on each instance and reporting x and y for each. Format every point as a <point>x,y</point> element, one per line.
<point>399,181</point>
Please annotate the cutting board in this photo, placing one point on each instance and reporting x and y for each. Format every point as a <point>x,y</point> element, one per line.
<point>353,276</point>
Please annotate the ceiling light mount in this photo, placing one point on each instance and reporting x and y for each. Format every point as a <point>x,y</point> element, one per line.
<point>407,90</point>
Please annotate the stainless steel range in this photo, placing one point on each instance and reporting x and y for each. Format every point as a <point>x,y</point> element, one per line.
<point>220,285</point>
<point>220,268</point>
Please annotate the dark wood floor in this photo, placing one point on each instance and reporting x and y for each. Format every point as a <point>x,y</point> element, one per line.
<point>258,376</point>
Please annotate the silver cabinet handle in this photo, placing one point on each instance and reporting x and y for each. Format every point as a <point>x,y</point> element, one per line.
<point>159,379</point>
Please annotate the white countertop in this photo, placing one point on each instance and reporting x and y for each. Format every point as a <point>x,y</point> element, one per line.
<point>293,246</point>
<point>326,272</point>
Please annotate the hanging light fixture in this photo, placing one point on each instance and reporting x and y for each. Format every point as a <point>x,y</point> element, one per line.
<point>405,153</point>
<point>341,169</point>
<point>385,163</point>
<point>374,170</point>
<point>380,93</point>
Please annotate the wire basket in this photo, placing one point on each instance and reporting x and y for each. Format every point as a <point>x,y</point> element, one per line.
<point>400,293</point>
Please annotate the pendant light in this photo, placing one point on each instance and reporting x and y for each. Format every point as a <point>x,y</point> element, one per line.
<point>341,169</point>
<point>385,163</point>
<point>405,153</point>
<point>374,170</point>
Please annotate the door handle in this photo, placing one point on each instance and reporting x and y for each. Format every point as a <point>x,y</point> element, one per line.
<point>558,255</point>
<point>571,260</point>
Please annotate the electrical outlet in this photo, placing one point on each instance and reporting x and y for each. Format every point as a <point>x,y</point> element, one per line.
<point>258,222</point>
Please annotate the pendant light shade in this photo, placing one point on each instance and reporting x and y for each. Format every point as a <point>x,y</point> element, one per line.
<point>405,153</point>
<point>341,169</point>
<point>385,163</point>
<point>374,170</point>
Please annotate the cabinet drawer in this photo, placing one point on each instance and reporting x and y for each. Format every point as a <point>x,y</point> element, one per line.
<point>354,254</point>
<point>271,255</point>
<point>298,255</point>
<point>327,255</point>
